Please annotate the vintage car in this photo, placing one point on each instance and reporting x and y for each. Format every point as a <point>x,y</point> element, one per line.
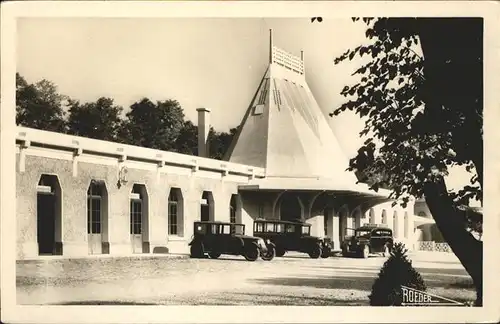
<point>367,239</point>
<point>292,236</point>
<point>216,238</point>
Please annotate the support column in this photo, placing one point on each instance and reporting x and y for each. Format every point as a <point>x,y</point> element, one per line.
<point>158,219</point>
<point>203,130</point>
<point>377,217</point>
<point>119,221</point>
<point>316,219</point>
<point>335,230</point>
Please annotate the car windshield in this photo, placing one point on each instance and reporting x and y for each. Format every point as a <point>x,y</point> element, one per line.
<point>238,229</point>
<point>306,230</point>
<point>362,233</point>
<point>382,233</point>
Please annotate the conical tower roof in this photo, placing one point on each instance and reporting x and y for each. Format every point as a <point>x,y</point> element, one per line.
<point>284,129</point>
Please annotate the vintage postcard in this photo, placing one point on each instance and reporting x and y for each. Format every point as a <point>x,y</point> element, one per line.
<point>249,162</point>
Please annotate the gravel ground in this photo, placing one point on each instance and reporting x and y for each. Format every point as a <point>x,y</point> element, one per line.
<point>292,280</point>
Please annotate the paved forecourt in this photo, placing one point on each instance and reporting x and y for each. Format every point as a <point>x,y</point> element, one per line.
<point>292,280</point>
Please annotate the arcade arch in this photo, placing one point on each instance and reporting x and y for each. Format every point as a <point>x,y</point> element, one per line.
<point>290,207</point>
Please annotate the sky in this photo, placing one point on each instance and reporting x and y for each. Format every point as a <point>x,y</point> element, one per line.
<point>216,63</point>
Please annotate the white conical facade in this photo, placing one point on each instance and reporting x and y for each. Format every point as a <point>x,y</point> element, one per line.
<point>284,129</point>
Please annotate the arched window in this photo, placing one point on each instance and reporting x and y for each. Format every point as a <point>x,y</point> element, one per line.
<point>175,217</point>
<point>406,226</point>
<point>94,208</point>
<point>384,217</point>
<point>371,218</point>
<point>395,224</point>
<point>422,214</point>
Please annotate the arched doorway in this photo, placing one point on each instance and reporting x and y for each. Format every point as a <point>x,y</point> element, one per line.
<point>139,217</point>
<point>207,206</point>
<point>290,207</point>
<point>49,220</point>
<point>97,216</point>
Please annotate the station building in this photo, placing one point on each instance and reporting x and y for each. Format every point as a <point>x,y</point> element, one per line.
<point>80,197</point>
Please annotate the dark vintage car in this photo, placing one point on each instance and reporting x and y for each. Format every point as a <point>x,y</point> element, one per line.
<point>216,238</point>
<point>292,236</point>
<point>367,239</point>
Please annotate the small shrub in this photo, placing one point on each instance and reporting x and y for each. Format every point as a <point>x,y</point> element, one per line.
<point>397,271</point>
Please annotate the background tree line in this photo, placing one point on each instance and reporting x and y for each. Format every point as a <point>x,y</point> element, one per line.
<point>154,124</point>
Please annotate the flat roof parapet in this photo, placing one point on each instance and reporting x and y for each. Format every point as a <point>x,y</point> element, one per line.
<point>65,142</point>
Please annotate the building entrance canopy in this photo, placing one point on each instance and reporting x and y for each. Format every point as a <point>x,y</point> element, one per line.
<point>355,193</point>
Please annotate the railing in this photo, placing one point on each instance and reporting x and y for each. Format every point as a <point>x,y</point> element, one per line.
<point>433,246</point>
<point>288,60</point>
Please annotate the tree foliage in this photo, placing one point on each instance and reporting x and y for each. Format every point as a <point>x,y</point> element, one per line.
<point>219,142</point>
<point>154,125</point>
<point>100,119</point>
<point>420,92</point>
<point>39,105</point>
<point>418,133</point>
<point>159,125</point>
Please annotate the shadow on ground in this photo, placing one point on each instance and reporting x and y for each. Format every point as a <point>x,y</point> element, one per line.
<point>360,281</point>
<point>452,271</point>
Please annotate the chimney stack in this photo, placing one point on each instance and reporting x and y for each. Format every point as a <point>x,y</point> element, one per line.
<point>270,46</point>
<point>203,129</point>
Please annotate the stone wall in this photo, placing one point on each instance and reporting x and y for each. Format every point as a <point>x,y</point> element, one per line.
<point>74,184</point>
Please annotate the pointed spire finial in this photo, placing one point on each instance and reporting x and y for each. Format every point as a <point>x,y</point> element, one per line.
<point>270,46</point>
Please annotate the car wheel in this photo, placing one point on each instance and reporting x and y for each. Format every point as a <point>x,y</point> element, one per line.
<point>251,252</point>
<point>280,252</point>
<point>214,255</point>
<point>366,252</point>
<point>270,254</point>
<point>197,250</point>
<point>325,253</point>
<point>315,252</point>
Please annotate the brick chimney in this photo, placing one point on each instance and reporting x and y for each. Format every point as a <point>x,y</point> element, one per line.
<point>203,129</point>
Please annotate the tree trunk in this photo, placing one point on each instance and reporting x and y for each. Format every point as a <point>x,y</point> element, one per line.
<point>449,221</point>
